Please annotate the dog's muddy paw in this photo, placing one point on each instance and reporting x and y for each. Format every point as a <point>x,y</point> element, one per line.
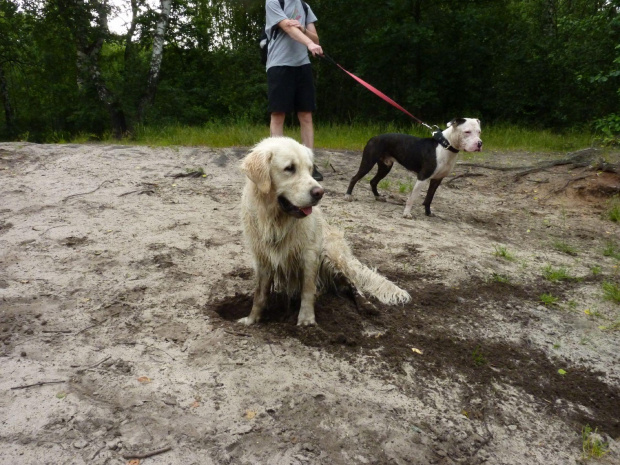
<point>306,321</point>
<point>247,321</point>
<point>381,198</point>
<point>407,215</point>
<point>348,197</point>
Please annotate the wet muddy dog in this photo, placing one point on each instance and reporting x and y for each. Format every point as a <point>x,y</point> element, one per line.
<point>428,157</point>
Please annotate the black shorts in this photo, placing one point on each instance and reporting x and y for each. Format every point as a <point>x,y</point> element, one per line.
<point>291,88</point>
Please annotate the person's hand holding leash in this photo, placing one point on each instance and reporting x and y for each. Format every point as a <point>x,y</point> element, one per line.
<point>315,49</point>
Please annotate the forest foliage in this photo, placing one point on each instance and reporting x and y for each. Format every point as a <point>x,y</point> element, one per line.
<point>536,63</point>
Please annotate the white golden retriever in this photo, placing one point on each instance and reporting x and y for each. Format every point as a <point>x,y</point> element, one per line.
<point>293,247</point>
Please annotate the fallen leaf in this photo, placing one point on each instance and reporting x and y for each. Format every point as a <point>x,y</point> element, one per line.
<point>562,372</point>
<point>144,379</point>
<point>196,404</point>
<point>587,311</point>
<point>417,351</point>
<point>61,395</point>
<point>249,414</point>
<point>134,462</point>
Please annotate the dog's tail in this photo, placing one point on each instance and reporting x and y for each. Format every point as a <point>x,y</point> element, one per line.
<point>339,257</point>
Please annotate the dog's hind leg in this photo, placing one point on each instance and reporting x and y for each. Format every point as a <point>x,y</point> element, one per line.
<point>364,169</point>
<point>264,281</point>
<point>430,193</point>
<point>415,193</point>
<point>382,172</point>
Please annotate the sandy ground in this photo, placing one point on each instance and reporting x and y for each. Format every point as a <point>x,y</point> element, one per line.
<point>120,284</point>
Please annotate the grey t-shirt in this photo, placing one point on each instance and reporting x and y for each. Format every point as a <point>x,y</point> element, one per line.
<point>283,50</point>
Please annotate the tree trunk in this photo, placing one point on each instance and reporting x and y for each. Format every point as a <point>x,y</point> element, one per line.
<point>9,117</point>
<point>156,58</point>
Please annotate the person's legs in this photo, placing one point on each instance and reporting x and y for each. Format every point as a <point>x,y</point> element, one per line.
<point>305,104</point>
<point>307,129</point>
<point>276,126</point>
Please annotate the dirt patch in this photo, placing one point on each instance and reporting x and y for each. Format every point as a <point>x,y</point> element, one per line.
<point>118,314</point>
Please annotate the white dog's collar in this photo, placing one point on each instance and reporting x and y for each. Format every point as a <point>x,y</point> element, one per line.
<point>445,143</point>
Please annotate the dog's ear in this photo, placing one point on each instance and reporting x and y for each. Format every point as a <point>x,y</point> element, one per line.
<point>456,121</point>
<point>256,167</point>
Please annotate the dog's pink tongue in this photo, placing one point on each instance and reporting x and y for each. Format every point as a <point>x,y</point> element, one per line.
<point>306,210</point>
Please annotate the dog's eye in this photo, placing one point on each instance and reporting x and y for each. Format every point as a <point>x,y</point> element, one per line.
<point>467,132</point>
<point>290,168</point>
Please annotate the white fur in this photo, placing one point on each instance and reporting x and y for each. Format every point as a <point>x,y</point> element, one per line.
<point>296,256</point>
<point>465,137</point>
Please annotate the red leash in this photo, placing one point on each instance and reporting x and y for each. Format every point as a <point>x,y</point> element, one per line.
<point>377,92</point>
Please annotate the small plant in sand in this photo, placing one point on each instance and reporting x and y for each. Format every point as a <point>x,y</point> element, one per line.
<point>384,184</point>
<point>548,299</point>
<point>615,326</point>
<point>564,247</point>
<point>611,250</point>
<point>405,187</point>
<point>611,291</point>
<point>556,274</point>
<point>502,252</point>
<point>478,357</point>
<point>613,210</point>
<point>500,278</point>
<point>596,270</point>
<point>593,445</point>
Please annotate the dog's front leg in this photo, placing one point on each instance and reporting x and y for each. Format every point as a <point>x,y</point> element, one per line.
<point>415,193</point>
<point>264,279</point>
<point>308,291</point>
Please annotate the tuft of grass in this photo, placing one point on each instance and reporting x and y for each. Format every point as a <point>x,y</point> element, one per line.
<point>596,270</point>
<point>611,291</point>
<point>500,278</point>
<point>384,184</point>
<point>556,274</point>
<point>564,247</point>
<point>405,187</point>
<point>502,251</point>
<point>478,357</point>
<point>611,250</point>
<point>548,299</point>
<point>613,210</point>
<point>593,445</point>
<point>615,326</point>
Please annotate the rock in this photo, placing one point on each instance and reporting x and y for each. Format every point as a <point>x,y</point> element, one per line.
<point>80,443</point>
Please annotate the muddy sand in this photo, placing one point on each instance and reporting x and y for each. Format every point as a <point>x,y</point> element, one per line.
<point>122,275</point>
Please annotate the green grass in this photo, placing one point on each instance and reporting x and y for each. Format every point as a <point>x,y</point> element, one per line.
<point>611,250</point>
<point>548,299</point>
<point>478,357</point>
<point>405,187</point>
<point>613,210</point>
<point>615,326</point>
<point>593,445</point>
<point>502,251</point>
<point>611,291</point>
<point>564,247</point>
<point>596,270</point>
<point>384,184</point>
<point>556,274</point>
<point>500,278</point>
<point>344,136</point>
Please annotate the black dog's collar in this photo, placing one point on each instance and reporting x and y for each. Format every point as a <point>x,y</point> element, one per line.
<point>445,143</point>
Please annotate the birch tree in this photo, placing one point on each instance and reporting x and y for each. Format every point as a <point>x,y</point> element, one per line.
<point>156,59</point>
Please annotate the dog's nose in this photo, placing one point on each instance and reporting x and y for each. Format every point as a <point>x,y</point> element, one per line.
<point>479,144</point>
<point>317,192</point>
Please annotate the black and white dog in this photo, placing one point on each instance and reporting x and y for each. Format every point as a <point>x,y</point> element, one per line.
<point>430,158</point>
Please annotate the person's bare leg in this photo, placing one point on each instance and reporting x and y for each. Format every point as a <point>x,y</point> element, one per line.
<point>276,126</point>
<point>307,129</point>
<point>307,137</point>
